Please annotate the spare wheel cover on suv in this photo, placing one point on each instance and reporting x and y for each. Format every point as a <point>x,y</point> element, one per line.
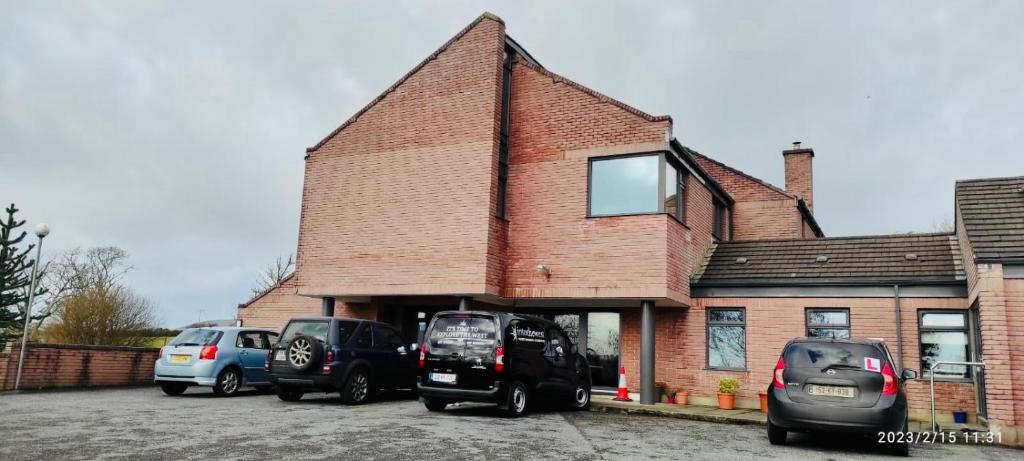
<point>304,352</point>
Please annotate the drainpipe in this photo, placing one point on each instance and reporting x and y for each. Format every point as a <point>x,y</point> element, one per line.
<point>465,303</point>
<point>327,307</point>
<point>899,329</point>
<point>647,352</point>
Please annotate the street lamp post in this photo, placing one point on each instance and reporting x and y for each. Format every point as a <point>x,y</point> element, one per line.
<point>41,231</point>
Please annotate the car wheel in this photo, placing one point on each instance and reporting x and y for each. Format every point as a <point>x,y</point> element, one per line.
<point>899,449</point>
<point>289,394</point>
<point>518,398</point>
<point>435,404</point>
<point>581,398</point>
<point>304,352</point>
<point>228,382</point>
<point>357,387</point>
<point>173,388</point>
<point>776,434</point>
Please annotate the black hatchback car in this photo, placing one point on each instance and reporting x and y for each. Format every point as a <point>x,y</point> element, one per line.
<point>326,354</point>
<point>502,358</point>
<point>837,385</point>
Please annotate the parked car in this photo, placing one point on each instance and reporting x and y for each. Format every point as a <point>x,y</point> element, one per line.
<point>501,358</point>
<point>837,385</point>
<point>224,358</point>
<point>354,357</point>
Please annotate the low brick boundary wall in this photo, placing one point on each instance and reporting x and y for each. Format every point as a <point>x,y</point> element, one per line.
<point>54,366</point>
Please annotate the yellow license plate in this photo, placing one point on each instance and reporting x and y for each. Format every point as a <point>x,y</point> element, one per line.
<point>179,358</point>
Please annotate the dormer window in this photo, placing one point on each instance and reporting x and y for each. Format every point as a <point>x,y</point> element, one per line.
<point>718,223</point>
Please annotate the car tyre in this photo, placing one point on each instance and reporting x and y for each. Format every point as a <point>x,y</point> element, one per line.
<point>356,390</point>
<point>228,382</point>
<point>581,398</point>
<point>303,353</point>
<point>776,434</point>
<point>173,388</point>
<point>435,404</point>
<point>518,399</point>
<point>899,449</point>
<point>289,394</point>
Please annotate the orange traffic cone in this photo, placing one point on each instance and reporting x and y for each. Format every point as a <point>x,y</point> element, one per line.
<point>623,390</point>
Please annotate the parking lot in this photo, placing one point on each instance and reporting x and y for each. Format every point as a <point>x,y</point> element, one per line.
<point>142,423</point>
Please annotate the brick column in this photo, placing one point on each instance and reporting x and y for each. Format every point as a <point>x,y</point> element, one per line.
<point>995,341</point>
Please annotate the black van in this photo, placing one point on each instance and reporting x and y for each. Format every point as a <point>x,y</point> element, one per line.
<point>332,354</point>
<point>499,357</point>
<point>838,385</point>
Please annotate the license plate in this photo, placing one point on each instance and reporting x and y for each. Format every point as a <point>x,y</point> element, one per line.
<point>830,391</point>
<point>176,358</point>
<point>446,378</point>
<point>279,355</point>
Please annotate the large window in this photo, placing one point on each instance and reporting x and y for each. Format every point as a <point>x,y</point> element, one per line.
<point>944,337</point>
<point>636,184</point>
<point>727,339</point>
<point>828,323</point>
<point>718,223</point>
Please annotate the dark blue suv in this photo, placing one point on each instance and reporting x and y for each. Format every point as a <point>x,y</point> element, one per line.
<point>326,354</point>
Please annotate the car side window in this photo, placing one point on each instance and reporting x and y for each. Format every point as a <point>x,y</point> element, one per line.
<point>364,339</point>
<point>387,339</point>
<point>250,340</point>
<point>526,336</point>
<point>558,344</point>
<point>270,341</point>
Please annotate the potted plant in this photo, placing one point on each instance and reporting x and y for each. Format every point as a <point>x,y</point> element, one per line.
<point>764,401</point>
<point>727,388</point>
<point>670,395</point>
<point>681,396</point>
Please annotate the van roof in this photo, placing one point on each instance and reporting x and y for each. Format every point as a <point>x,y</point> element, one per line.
<point>506,315</point>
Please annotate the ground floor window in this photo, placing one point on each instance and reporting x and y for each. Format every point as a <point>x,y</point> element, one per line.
<point>828,323</point>
<point>944,338</point>
<point>727,339</point>
<point>597,335</point>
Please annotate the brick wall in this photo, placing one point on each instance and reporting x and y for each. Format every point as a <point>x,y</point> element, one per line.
<point>1015,322</point>
<point>557,126</point>
<point>680,335</point>
<point>50,366</point>
<point>274,308</point>
<point>997,338</point>
<point>800,174</point>
<point>400,200</point>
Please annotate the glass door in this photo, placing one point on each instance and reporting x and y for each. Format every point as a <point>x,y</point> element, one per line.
<point>600,344</point>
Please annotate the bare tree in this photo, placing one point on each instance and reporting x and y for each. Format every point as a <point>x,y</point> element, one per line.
<point>944,225</point>
<point>273,274</point>
<point>101,315</point>
<point>77,271</point>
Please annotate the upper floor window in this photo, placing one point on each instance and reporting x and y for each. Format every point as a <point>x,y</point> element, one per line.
<point>718,220</point>
<point>828,323</point>
<point>944,338</point>
<point>636,184</point>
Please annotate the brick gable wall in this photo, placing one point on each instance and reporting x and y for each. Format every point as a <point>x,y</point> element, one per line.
<point>401,200</point>
<point>760,212</point>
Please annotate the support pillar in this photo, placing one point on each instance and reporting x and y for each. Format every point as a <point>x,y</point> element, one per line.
<point>647,352</point>
<point>327,309</point>
<point>465,303</point>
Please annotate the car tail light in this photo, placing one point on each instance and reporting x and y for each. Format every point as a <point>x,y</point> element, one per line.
<point>270,357</point>
<point>499,359</point>
<point>328,359</point>
<point>208,353</point>
<point>889,385</point>
<point>423,356</point>
<point>780,366</point>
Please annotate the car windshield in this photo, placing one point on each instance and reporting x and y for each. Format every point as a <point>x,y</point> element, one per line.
<point>475,333</point>
<point>314,328</point>
<point>196,337</point>
<point>826,354</point>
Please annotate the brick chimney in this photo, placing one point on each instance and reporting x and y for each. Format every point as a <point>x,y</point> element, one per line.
<point>799,173</point>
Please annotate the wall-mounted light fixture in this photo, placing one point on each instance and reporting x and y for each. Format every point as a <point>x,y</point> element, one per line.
<point>543,270</point>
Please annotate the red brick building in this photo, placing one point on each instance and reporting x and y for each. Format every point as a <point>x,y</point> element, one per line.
<point>483,180</point>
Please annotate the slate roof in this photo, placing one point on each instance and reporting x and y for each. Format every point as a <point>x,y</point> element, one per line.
<point>856,260</point>
<point>993,216</point>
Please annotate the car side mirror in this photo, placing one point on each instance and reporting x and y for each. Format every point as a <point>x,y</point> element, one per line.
<point>909,374</point>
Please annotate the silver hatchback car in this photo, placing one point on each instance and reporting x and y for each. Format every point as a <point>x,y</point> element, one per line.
<point>224,358</point>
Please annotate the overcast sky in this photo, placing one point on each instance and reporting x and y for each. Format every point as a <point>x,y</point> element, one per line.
<point>176,130</point>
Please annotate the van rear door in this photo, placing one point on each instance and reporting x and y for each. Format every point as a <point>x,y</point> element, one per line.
<point>460,351</point>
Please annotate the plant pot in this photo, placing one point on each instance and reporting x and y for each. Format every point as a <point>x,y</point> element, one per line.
<point>681,398</point>
<point>659,395</point>
<point>764,401</point>
<point>960,417</point>
<point>726,401</point>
